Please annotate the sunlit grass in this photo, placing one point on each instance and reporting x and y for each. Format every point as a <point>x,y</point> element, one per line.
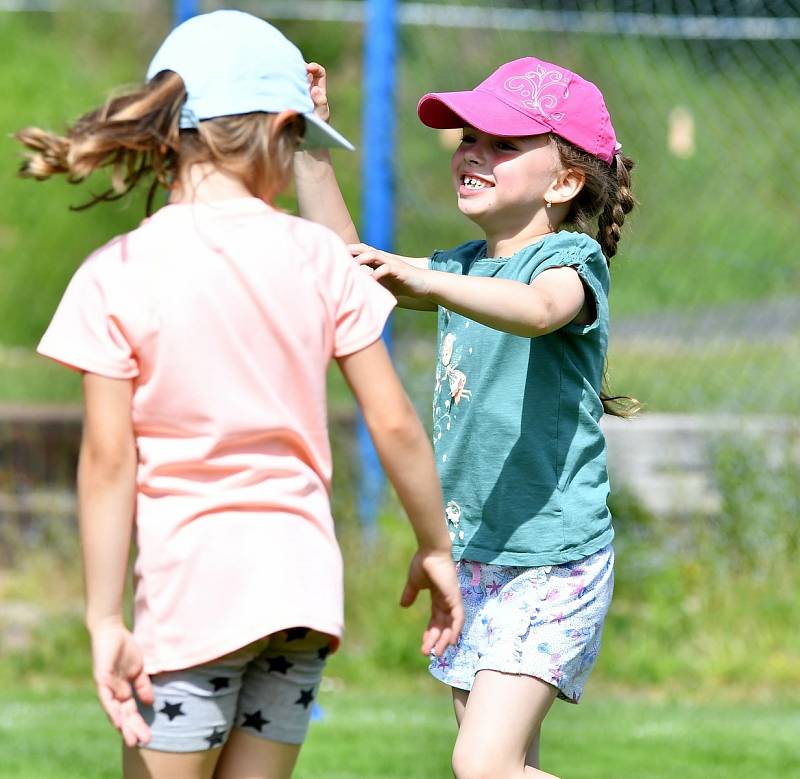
<point>370,734</point>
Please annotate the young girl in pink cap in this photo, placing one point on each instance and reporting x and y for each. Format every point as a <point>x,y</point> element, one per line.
<point>523,331</point>
<point>203,337</point>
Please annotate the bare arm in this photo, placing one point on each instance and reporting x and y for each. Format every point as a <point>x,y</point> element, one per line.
<point>319,197</point>
<point>407,457</point>
<point>552,300</point>
<point>106,495</point>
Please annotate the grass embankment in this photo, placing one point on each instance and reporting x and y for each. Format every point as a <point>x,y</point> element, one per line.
<point>708,233</point>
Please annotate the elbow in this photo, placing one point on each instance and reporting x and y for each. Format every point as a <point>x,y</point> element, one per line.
<point>400,426</point>
<point>106,464</point>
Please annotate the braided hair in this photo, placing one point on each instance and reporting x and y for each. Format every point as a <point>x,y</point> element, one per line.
<point>606,195</point>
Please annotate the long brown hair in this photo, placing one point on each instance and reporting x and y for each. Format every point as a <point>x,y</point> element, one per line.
<point>607,197</point>
<point>136,136</point>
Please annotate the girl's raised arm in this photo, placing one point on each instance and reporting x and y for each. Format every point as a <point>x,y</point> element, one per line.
<point>319,197</point>
<point>407,457</point>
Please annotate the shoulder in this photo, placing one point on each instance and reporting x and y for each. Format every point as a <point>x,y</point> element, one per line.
<point>307,234</point>
<point>568,245</point>
<point>568,249</point>
<point>109,261</point>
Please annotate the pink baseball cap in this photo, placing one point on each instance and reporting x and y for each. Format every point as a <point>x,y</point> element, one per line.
<point>528,97</point>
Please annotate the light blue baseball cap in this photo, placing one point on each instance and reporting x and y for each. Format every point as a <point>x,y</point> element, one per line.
<point>234,63</point>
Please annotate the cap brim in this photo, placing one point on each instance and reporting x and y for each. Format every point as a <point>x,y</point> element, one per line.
<point>478,109</point>
<point>320,135</point>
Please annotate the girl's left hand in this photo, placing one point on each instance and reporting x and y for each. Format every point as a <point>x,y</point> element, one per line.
<point>436,572</point>
<point>318,87</point>
<point>398,274</point>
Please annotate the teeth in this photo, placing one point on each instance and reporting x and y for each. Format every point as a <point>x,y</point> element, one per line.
<point>473,183</point>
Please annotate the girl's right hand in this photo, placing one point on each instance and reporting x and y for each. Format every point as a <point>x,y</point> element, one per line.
<point>402,276</point>
<point>119,670</point>
<point>317,84</point>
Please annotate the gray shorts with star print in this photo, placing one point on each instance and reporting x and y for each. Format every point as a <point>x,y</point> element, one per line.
<point>267,689</point>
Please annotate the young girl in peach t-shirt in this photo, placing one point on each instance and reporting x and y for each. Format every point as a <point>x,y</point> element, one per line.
<point>203,337</point>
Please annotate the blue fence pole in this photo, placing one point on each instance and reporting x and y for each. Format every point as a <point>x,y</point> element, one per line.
<point>380,44</point>
<point>184,9</point>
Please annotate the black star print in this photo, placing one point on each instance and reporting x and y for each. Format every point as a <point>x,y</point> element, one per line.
<point>172,710</point>
<point>279,665</point>
<point>216,737</point>
<point>254,720</point>
<point>306,696</point>
<point>220,682</point>
<point>294,634</point>
<point>324,652</point>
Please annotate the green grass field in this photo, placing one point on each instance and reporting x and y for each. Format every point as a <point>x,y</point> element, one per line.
<point>364,735</point>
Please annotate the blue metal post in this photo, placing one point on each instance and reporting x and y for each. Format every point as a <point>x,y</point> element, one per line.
<point>380,44</point>
<point>185,9</point>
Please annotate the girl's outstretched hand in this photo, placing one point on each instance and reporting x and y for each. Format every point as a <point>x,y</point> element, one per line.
<point>317,85</point>
<point>118,671</point>
<point>435,571</point>
<point>400,275</point>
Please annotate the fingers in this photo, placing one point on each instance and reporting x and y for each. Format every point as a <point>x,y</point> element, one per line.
<point>317,87</point>
<point>133,728</point>
<point>409,595</point>
<point>109,704</point>
<point>360,248</point>
<point>120,706</point>
<point>431,639</point>
<point>443,639</point>
<point>144,688</point>
<point>315,72</point>
<point>382,271</point>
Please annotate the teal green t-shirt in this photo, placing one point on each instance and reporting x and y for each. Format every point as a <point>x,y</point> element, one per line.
<point>521,456</point>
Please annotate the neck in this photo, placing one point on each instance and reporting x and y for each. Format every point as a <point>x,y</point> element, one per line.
<point>504,245</point>
<point>508,236</point>
<point>204,182</point>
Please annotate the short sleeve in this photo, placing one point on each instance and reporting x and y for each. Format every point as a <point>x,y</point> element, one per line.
<point>590,264</point>
<point>361,307</point>
<point>87,332</point>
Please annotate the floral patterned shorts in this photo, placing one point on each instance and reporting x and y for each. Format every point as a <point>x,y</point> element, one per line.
<point>544,622</point>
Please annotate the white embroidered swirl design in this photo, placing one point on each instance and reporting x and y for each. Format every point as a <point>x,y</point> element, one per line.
<point>533,86</point>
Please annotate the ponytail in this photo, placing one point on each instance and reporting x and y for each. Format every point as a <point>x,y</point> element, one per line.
<point>134,135</point>
<point>623,406</point>
<point>137,135</point>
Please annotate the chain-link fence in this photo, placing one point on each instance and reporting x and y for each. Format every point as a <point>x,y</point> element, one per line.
<point>703,93</point>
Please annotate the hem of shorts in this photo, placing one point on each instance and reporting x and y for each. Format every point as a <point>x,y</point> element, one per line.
<point>179,748</point>
<point>207,654</point>
<point>439,678</point>
<point>527,560</point>
<point>565,694</point>
<point>281,737</point>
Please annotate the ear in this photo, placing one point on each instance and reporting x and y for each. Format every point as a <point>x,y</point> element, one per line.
<point>281,120</point>
<point>565,186</point>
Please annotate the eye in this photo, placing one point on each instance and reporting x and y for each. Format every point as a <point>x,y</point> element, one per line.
<point>467,137</point>
<point>506,146</point>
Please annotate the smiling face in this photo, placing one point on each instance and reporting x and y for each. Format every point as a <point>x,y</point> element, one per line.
<point>501,183</point>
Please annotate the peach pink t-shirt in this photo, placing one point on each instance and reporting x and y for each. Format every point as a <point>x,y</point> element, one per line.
<point>225,316</point>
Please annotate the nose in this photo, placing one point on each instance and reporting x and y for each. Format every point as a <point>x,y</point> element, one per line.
<point>476,152</point>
